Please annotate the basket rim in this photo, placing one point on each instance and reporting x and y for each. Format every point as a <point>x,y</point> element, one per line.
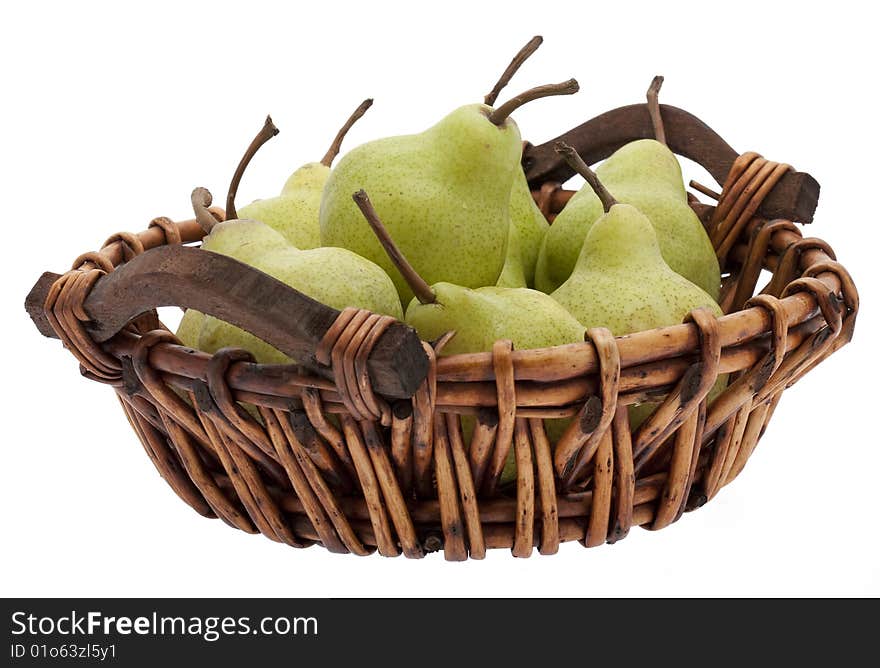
<point>745,330</point>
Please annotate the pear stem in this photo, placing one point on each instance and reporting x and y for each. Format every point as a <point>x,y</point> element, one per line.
<point>201,199</point>
<point>577,164</point>
<point>500,114</point>
<point>417,284</point>
<point>654,109</point>
<point>517,62</point>
<point>333,151</point>
<point>706,190</point>
<point>265,134</point>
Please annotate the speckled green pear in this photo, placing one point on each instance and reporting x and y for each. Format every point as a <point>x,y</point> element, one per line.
<point>216,334</point>
<point>563,241</point>
<point>336,277</point>
<point>530,319</point>
<point>333,276</point>
<point>189,328</point>
<point>243,240</point>
<point>512,273</point>
<point>531,225</point>
<point>443,194</point>
<point>294,213</point>
<point>646,174</point>
<point>622,282</point>
<point>478,317</point>
<point>246,241</point>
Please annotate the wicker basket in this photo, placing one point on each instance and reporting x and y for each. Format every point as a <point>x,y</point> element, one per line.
<point>360,447</point>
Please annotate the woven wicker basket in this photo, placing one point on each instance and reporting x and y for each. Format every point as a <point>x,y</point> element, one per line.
<point>360,448</point>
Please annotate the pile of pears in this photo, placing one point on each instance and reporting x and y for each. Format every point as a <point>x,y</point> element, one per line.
<point>439,229</point>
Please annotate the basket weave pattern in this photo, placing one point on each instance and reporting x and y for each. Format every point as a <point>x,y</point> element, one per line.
<point>331,462</point>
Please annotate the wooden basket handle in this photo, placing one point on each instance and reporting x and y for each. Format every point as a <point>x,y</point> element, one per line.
<point>794,197</point>
<point>217,285</point>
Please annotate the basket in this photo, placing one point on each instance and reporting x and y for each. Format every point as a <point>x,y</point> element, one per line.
<point>359,447</point>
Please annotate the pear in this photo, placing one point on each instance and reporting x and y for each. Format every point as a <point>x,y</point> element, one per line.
<point>621,280</point>
<point>531,226</point>
<point>513,272</point>
<point>647,175</point>
<point>444,193</point>
<point>479,317</point>
<point>243,240</point>
<point>562,243</point>
<point>333,276</point>
<point>530,223</point>
<point>216,334</point>
<point>246,241</point>
<point>294,213</point>
<point>190,327</point>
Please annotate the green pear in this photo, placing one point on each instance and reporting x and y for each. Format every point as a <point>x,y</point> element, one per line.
<point>336,277</point>
<point>621,280</point>
<point>526,216</point>
<point>647,175</point>
<point>333,276</point>
<point>480,316</point>
<point>190,327</point>
<point>513,272</point>
<point>444,194</point>
<point>531,226</point>
<point>294,213</point>
<point>216,334</point>
<point>244,240</point>
<point>562,243</point>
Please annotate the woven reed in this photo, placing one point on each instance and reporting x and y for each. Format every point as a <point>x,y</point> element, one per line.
<point>331,462</point>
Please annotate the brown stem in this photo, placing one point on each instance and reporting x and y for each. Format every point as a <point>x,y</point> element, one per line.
<point>201,199</point>
<point>500,114</point>
<point>417,284</point>
<point>265,134</point>
<point>577,164</point>
<point>706,190</point>
<point>512,69</point>
<point>654,109</point>
<point>333,151</point>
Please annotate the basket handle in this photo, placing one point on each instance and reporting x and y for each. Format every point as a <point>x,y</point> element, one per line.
<point>794,198</point>
<point>217,285</point>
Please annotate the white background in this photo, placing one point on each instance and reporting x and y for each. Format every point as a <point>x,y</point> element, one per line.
<point>111,115</point>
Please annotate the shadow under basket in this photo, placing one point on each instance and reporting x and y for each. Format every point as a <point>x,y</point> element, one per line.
<point>360,448</point>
